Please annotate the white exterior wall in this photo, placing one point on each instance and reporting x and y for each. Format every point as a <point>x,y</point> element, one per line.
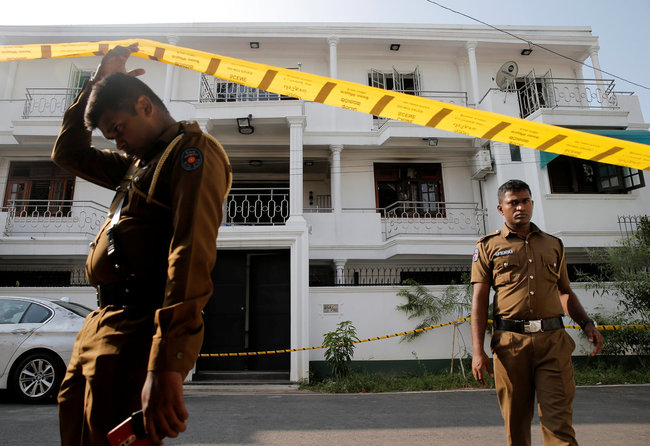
<point>357,234</point>
<point>354,304</point>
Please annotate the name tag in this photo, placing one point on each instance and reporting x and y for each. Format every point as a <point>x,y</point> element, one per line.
<point>503,253</point>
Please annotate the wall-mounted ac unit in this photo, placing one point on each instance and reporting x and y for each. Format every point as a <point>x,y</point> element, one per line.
<point>481,164</point>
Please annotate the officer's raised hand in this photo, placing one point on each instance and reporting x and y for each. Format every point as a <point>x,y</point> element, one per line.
<point>114,61</point>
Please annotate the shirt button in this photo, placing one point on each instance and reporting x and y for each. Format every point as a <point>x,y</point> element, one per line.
<point>531,277</point>
<point>179,355</point>
<point>530,260</point>
<point>532,292</point>
<point>526,241</point>
<point>505,263</point>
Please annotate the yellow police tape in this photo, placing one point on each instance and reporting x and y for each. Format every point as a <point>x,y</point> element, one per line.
<point>362,98</point>
<point>417,330</point>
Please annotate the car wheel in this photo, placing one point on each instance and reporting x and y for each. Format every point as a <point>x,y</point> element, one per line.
<point>37,377</point>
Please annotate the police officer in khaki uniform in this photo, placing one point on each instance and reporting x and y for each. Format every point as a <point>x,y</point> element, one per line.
<point>532,351</point>
<point>150,262</point>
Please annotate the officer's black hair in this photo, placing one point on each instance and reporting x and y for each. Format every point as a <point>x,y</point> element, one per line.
<point>116,92</point>
<point>512,186</point>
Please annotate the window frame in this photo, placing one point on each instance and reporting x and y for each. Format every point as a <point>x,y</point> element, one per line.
<point>621,180</point>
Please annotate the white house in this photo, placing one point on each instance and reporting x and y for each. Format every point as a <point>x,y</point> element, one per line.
<point>331,209</point>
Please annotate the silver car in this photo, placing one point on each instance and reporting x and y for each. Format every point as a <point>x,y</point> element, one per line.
<point>36,338</point>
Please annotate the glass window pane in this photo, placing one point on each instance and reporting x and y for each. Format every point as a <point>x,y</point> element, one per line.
<point>12,310</point>
<point>36,314</point>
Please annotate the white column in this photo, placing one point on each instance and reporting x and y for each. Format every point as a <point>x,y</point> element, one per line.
<point>11,80</point>
<point>462,75</point>
<point>473,71</point>
<point>340,271</point>
<point>296,129</point>
<point>593,54</point>
<point>334,70</point>
<point>602,97</point>
<point>580,86</point>
<point>169,74</point>
<point>335,174</point>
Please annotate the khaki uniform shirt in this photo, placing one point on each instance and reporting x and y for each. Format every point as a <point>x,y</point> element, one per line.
<point>524,272</point>
<point>166,236</point>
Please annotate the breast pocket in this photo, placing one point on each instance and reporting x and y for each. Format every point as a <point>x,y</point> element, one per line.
<point>552,265</point>
<point>504,268</point>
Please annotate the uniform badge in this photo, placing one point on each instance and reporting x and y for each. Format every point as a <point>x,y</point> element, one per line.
<point>475,257</point>
<point>191,159</point>
<point>503,253</point>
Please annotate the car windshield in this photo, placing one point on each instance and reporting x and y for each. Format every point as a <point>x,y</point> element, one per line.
<point>75,308</point>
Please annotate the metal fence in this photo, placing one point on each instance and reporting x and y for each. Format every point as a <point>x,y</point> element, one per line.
<point>428,217</point>
<point>266,206</point>
<point>387,275</point>
<point>629,224</point>
<point>53,217</point>
<point>48,102</point>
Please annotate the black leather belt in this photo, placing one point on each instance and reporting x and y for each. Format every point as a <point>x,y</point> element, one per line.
<point>533,326</point>
<point>129,295</point>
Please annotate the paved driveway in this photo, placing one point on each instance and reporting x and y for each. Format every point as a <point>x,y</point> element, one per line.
<point>604,415</point>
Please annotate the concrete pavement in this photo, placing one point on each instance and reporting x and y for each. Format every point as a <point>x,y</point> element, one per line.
<point>283,415</point>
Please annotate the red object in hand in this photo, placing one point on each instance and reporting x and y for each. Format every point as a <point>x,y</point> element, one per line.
<point>130,432</point>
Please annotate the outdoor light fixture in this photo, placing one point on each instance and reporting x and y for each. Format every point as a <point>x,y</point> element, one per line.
<point>255,163</point>
<point>308,163</point>
<point>433,142</point>
<point>527,51</point>
<point>255,45</point>
<point>244,125</point>
<point>394,46</point>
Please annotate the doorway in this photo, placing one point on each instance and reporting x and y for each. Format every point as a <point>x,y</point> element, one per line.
<point>249,312</point>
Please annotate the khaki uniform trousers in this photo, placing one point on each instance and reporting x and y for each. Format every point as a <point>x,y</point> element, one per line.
<point>529,363</point>
<point>104,380</point>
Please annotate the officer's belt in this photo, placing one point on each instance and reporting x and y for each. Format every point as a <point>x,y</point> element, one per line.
<point>533,326</point>
<point>129,295</point>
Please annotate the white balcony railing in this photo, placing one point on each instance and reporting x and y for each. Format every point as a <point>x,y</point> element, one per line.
<point>244,207</point>
<point>53,218</point>
<point>433,218</point>
<point>218,90</point>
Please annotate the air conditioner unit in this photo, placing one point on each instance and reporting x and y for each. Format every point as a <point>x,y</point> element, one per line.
<point>481,164</point>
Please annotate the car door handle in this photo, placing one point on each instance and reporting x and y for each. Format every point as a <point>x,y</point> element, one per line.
<point>20,331</point>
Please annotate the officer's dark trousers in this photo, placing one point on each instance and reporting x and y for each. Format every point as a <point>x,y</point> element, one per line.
<point>525,364</point>
<point>104,380</point>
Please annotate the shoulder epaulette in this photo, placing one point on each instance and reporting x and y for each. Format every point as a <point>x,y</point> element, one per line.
<point>491,234</point>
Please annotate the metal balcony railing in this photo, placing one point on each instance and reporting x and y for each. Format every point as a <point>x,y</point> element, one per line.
<point>48,102</point>
<point>429,217</point>
<point>266,206</point>
<point>218,90</point>
<point>553,92</point>
<point>53,217</point>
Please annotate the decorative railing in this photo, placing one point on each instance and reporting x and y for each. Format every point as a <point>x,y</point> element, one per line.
<point>218,90</point>
<point>383,275</point>
<point>48,102</point>
<point>53,217</point>
<point>550,93</point>
<point>267,206</point>
<point>629,224</point>
<point>428,217</point>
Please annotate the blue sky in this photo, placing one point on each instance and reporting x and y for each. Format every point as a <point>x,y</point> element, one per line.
<point>623,27</point>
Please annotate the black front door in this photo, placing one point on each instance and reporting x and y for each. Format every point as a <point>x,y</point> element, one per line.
<point>249,311</point>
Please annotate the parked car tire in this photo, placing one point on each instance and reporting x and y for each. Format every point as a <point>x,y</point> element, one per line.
<point>37,377</point>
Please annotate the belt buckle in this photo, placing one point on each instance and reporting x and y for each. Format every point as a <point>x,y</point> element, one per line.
<point>533,326</point>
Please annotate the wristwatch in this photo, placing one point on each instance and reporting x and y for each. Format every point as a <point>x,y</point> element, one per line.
<point>583,323</point>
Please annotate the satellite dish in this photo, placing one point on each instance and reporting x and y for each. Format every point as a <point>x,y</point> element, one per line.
<point>506,75</point>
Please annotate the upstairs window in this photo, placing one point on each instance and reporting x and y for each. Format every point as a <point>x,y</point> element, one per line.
<point>38,187</point>
<point>412,188</point>
<point>570,175</point>
<point>404,82</point>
